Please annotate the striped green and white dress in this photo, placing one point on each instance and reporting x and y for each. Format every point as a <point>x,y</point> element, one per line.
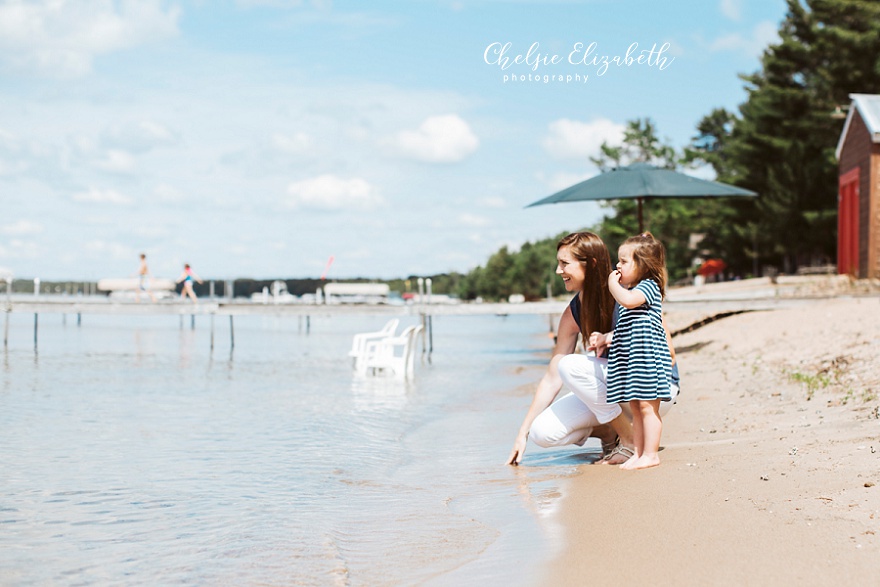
<point>639,364</point>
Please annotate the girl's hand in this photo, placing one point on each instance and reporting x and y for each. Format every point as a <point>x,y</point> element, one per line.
<point>598,342</point>
<point>614,277</point>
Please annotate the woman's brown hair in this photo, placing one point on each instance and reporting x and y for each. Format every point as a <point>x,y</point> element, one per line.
<point>649,256</point>
<point>597,304</point>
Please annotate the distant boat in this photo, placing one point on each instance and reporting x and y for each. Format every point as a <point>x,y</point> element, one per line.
<point>278,294</point>
<point>113,284</point>
<point>128,287</point>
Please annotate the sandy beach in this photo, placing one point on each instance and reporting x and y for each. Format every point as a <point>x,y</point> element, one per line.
<point>770,467</point>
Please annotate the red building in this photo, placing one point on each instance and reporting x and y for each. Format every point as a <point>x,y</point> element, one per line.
<point>858,207</point>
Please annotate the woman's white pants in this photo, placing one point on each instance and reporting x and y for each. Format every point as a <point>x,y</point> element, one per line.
<point>571,418</point>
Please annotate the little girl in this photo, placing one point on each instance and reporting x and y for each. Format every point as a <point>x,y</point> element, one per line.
<point>639,363</point>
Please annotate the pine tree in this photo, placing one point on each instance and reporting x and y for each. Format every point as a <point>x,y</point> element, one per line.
<point>783,144</point>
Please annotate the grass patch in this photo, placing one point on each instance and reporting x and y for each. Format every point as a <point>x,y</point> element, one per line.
<point>811,382</point>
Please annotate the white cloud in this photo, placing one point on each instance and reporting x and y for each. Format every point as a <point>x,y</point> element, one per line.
<point>139,137</point>
<point>705,171</point>
<point>63,37</point>
<point>115,250</point>
<point>439,139</point>
<point>21,227</point>
<point>493,202</point>
<point>167,193</point>
<point>13,155</point>
<point>19,249</point>
<point>752,45</point>
<point>560,181</point>
<point>472,220</point>
<point>573,139</point>
<point>329,192</point>
<point>731,9</point>
<point>94,195</point>
<point>116,161</point>
<point>297,144</point>
<point>270,3</point>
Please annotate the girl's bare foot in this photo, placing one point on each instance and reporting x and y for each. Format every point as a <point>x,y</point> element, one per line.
<point>642,462</point>
<point>628,464</point>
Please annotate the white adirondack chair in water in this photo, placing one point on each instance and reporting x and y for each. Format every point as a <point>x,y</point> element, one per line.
<point>394,354</point>
<point>359,344</point>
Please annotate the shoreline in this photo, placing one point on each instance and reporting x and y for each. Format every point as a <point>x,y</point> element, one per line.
<point>770,463</point>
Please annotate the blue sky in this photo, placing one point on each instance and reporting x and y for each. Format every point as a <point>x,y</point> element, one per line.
<point>257,138</point>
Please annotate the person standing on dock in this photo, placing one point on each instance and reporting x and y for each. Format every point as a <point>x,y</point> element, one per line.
<point>143,280</point>
<point>187,277</point>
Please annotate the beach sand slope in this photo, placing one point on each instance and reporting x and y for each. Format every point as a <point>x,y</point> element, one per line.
<point>770,467</point>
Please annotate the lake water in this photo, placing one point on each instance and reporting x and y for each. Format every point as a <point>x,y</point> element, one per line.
<point>132,454</point>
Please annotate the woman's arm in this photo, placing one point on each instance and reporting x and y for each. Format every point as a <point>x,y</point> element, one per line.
<point>550,384</point>
<point>668,339</point>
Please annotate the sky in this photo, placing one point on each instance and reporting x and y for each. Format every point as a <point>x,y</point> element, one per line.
<point>261,138</point>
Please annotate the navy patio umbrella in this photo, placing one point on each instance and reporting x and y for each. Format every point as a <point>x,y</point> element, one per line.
<point>642,181</point>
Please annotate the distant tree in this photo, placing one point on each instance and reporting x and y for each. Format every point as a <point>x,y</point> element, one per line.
<point>640,145</point>
<point>528,272</point>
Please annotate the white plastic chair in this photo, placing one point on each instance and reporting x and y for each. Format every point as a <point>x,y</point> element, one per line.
<point>359,344</point>
<point>395,354</point>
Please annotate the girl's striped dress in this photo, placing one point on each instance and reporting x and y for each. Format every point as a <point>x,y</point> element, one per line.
<point>639,364</point>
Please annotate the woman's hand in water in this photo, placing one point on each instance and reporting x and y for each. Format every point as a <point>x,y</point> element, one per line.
<point>519,449</point>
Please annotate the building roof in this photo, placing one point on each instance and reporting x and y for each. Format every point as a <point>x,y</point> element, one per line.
<point>868,106</point>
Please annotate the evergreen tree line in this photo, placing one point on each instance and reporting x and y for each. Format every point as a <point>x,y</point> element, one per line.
<point>781,144</point>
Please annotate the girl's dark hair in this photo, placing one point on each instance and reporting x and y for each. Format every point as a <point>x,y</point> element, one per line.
<point>597,304</point>
<point>649,256</point>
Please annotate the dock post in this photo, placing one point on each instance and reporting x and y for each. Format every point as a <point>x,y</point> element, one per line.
<point>428,283</point>
<point>308,324</point>
<point>212,332</point>
<point>8,311</point>
<point>231,334</point>
<point>79,318</point>
<point>192,324</point>
<point>421,284</point>
<point>35,330</point>
<point>430,336</point>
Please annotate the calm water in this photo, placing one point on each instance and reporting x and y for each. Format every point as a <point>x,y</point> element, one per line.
<point>130,454</point>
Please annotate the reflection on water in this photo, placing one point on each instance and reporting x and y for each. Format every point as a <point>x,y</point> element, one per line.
<point>133,453</point>
<point>379,394</point>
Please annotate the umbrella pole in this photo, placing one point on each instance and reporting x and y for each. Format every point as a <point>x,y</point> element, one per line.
<point>641,223</point>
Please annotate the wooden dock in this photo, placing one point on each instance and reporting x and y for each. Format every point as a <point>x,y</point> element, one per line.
<point>100,305</point>
<point>226,308</point>
<point>689,310</point>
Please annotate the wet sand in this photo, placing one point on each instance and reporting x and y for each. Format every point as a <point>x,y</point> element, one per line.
<point>770,467</point>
